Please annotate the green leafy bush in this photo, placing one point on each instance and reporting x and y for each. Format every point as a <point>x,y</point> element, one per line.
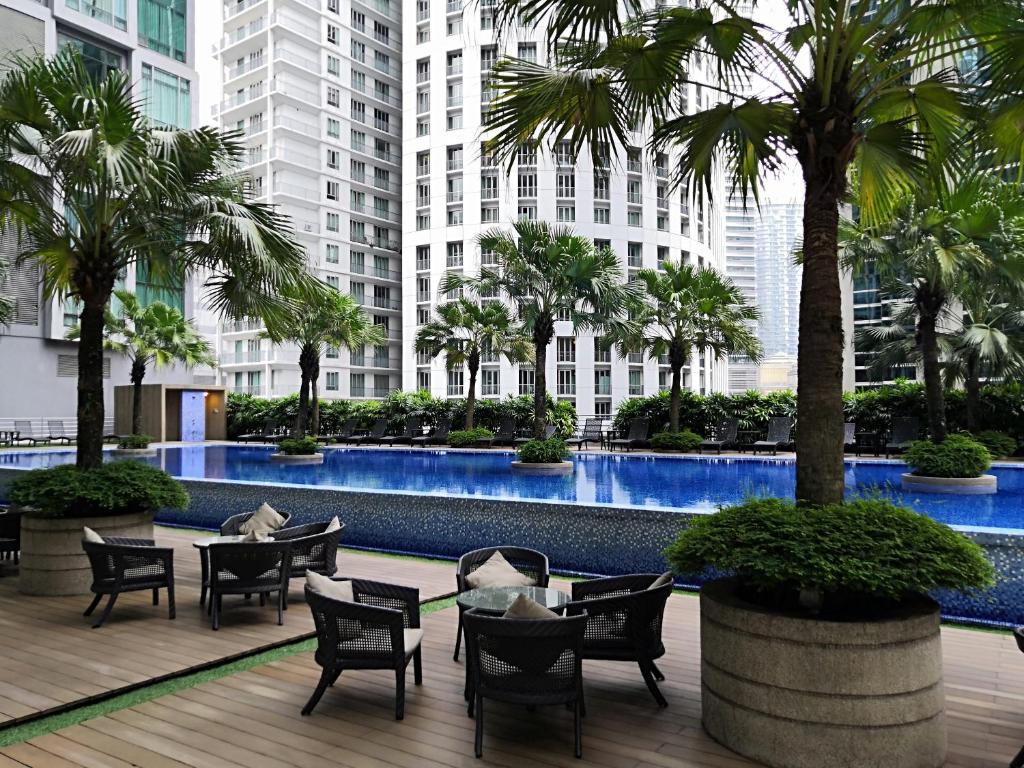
<point>701,413</point>
<point>550,451</point>
<point>466,438</point>
<point>857,556</point>
<point>304,446</point>
<point>118,488</point>
<point>684,441</point>
<point>956,456</point>
<point>134,441</point>
<point>998,443</point>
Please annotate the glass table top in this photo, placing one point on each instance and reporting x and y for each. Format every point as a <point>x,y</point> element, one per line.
<point>498,599</point>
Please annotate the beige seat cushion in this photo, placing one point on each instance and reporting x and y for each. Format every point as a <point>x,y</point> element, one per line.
<point>336,590</point>
<point>88,534</point>
<point>254,536</point>
<point>661,581</point>
<point>524,607</point>
<point>413,638</point>
<point>334,525</point>
<point>265,520</point>
<point>497,572</point>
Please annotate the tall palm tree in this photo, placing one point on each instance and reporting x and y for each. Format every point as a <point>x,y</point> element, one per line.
<point>686,309</point>
<point>6,302</point>
<point>547,272</point>
<point>129,194</point>
<point>330,319</point>
<point>464,332</point>
<point>831,88</point>
<point>157,334</point>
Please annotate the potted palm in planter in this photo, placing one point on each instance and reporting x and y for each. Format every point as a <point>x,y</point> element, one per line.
<point>301,450</point>
<point>543,457</point>
<point>134,445</point>
<point>819,642</point>
<point>115,499</point>
<point>956,465</point>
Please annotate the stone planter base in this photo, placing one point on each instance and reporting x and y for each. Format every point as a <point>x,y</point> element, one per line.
<point>794,692</point>
<point>52,560</point>
<point>561,468</point>
<point>958,485</point>
<point>132,453</point>
<point>308,458</point>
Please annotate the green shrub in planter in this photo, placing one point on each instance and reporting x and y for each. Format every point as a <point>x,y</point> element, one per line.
<point>998,443</point>
<point>465,438</point>
<point>550,451</point>
<point>134,442</point>
<point>118,488</point>
<point>302,446</point>
<point>956,456</point>
<point>684,441</point>
<point>859,559</point>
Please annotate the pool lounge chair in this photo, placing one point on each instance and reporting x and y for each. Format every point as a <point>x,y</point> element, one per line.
<point>593,432</point>
<point>905,430</point>
<point>346,431</point>
<point>268,434</point>
<point>506,434</point>
<point>376,434</point>
<point>57,433</point>
<point>779,431</point>
<point>439,436</point>
<point>635,438</point>
<point>26,434</point>
<point>549,432</point>
<point>850,436</point>
<point>413,429</point>
<point>724,436</point>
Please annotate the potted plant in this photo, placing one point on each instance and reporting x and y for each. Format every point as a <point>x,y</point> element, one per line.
<point>298,450</point>
<point>543,457</point>
<point>116,499</point>
<point>820,644</point>
<point>467,438</point>
<point>955,465</point>
<point>676,442</point>
<point>134,445</point>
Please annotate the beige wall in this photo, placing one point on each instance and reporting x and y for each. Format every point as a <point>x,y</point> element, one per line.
<point>161,411</point>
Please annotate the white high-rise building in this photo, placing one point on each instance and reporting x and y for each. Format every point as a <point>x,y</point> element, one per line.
<point>779,230</point>
<point>741,267</point>
<point>315,86</point>
<point>452,192</point>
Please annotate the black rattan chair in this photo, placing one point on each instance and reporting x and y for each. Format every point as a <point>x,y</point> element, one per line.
<point>724,436</point>
<point>779,432</point>
<point>636,438</point>
<point>413,429</point>
<point>376,434</point>
<point>905,430</point>
<point>1018,635</point>
<point>525,661</point>
<point>314,548</point>
<point>10,535</point>
<point>128,565</point>
<point>380,630</point>
<point>439,436</point>
<point>624,620</point>
<point>506,434</point>
<point>347,429</point>
<point>230,526</point>
<point>244,568</point>
<point>593,432</point>
<point>528,562</point>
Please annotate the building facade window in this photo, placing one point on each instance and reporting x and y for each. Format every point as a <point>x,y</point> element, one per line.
<point>111,12</point>
<point>332,381</point>
<point>526,381</point>
<point>455,383</point>
<point>167,99</point>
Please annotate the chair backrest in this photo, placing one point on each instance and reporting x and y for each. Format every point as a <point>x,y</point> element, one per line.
<point>444,426</point>
<point>313,551</point>
<point>56,427</point>
<point>413,426</point>
<point>230,526</point>
<point>530,657</point>
<point>638,428</point>
<point>269,427</point>
<point>349,426</point>
<point>380,426</point>
<point>24,426</point>
<point>727,430</point>
<point>549,431</point>
<point>528,562</point>
<point>905,429</point>
<point>242,563</point>
<point>506,427</point>
<point>353,630</point>
<point>779,429</point>
<point>592,429</point>
<point>636,615</point>
<point>849,433</point>
<point>1018,635</point>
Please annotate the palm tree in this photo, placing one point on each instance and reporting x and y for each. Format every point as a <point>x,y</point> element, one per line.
<point>130,194</point>
<point>333,319</point>
<point>157,334</point>
<point>547,272</point>
<point>686,309</point>
<point>465,332</point>
<point>832,88</point>
<point>6,302</point>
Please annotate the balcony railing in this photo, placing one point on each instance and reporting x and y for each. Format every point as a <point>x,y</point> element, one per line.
<point>244,67</point>
<point>297,125</point>
<point>296,190</point>
<point>232,10</point>
<point>281,54</point>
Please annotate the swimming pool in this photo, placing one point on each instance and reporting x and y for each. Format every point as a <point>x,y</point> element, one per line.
<point>671,483</point>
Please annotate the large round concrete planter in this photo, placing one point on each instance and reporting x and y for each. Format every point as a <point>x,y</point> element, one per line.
<point>132,453</point>
<point>793,692</point>
<point>52,560</point>
<point>555,468</point>
<point>959,485</point>
<point>297,458</point>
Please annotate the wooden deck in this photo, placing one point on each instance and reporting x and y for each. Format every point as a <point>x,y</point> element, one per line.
<point>251,719</point>
<point>52,657</point>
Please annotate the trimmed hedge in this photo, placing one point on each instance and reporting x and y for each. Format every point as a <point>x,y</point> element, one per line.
<point>956,456</point>
<point>684,441</point>
<point>466,438</point>
<point>303,446</point>
<point>550,451</point>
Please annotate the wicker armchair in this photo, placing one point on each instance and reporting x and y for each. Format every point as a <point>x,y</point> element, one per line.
<point>1018,635</point>
<point>529,562</point>
<point>524,661</point>
<point>128,565</point>
<point>238,568</point>
<point>314,548</point>
<point>624,620</point>
<point>10,535</point>
<point>380,630</point>
<point>230,526</point>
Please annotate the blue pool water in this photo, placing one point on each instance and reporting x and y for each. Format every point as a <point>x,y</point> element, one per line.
<point>683,484</point>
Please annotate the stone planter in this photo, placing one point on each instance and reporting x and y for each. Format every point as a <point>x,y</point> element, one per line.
<point>958,485</point>
<point>794,692</point>
<point>52,560</point>
<point>557,468</point>
<point>132,453</point>
<point>297,458</point>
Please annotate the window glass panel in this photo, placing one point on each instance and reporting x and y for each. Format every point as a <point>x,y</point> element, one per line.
<point>162,25</point>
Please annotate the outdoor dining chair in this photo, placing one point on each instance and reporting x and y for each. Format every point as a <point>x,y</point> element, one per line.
<point>377,628</point>
<point>624,620</point>
<point>375,435</point>
<point>533,662</point>
<point>244,568</point>
<point>347,428</point>
<point>122,565</point>
<point>314,548</point>
<point>506,434</point>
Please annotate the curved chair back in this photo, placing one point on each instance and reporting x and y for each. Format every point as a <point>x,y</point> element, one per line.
<point>779,429</point>
<point>314,548</point>
<point>241,566</point>
<point>380,426</point>
<point>528,562</point>
<point>349,426</point>
<point>230,527</point>
<point>638,428</point>
<point>727,430</point>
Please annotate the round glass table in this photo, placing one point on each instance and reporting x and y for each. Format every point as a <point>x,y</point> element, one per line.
<point>499,599</point>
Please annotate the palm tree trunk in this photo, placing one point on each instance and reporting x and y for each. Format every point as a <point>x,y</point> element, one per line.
<point>972,388</point>
<point>540,402</point>
<point>302,417</point>
<point>673,408</point>
<point>314,381</point>
<point>474,367</point>
<point>819,438</point>
<point>90,385</point>
<point>934,395</point>
<point>138,374</point>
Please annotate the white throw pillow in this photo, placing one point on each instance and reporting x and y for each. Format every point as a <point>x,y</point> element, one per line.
<point>334,525</point>
<point>264,520</point>
<point>336,590</point>
<point>497,572</point>
<point>412,639</point>
<point>88,534</point>
<point>254,536</point>
<point>661,581</point>
<point>524,607</point>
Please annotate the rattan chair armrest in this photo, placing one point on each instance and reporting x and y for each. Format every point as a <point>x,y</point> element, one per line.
<point>409,597</point>
<point>595,588</point>
<point>129,542</point>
